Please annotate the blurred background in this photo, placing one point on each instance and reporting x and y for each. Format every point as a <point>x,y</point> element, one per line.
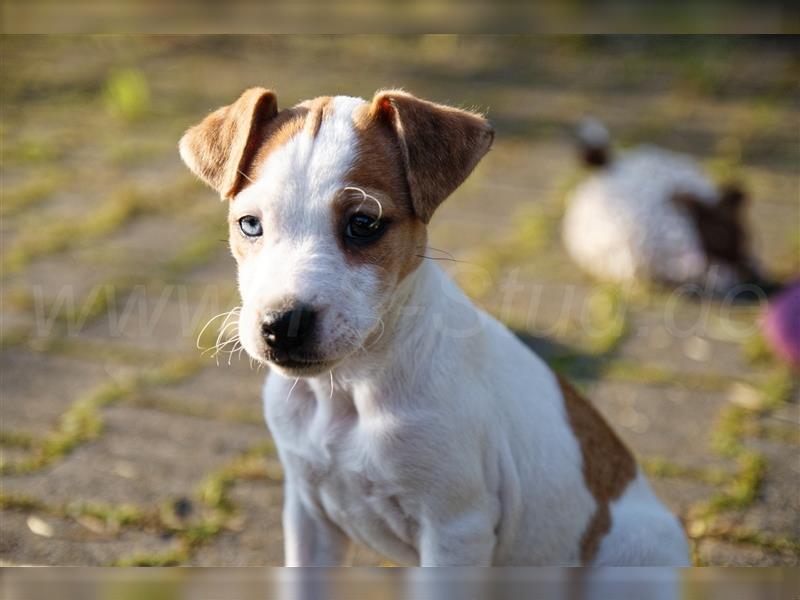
<point>123,443</point>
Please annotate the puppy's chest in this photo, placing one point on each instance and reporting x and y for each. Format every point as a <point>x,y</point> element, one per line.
<point>344,469</point>
<point>369,507</point>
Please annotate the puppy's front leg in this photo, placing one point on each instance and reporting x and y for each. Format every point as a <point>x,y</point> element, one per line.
<point>310,539</point>
<point>464,540</point>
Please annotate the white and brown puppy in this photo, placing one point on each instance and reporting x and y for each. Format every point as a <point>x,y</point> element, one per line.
<point>406,419</point>
<point>653,215</point>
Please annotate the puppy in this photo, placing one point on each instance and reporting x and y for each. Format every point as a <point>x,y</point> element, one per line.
<point>405,418</point>
<point>652,215</point>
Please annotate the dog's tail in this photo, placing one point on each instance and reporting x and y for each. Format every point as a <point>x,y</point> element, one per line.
<point>594,142</point>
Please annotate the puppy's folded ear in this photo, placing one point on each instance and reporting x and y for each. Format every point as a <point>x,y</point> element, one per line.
<point>219,149</point>
<point>440,145</point>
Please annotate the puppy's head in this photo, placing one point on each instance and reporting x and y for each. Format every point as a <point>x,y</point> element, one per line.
<point>329,201</point>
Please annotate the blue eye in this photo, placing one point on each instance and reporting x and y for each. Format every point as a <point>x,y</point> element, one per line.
<point>251,226</point>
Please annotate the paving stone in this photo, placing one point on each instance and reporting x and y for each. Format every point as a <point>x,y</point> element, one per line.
<point>143,244</point>
<point>143,457</point>
<point>683,343</point>
<point>787,415</point>
<point>716,552</point>
<point>777,507</point>
<point>259,539</point>
<point>777,224</point>
<point>220,270</point>
<point>665,422</point>
<point>65,279</point>
<point>680,494</point>
<point>543,308</point>
<point>225,390</point>
<point>13,454</point>
<point>16,324</point>
<point>154,317</point>
<point>71,543</point>
<point>38,388</point>
<point>64,203</point>
<point>486,209</point>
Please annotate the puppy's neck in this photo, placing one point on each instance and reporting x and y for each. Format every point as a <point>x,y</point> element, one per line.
<point>428,322</point>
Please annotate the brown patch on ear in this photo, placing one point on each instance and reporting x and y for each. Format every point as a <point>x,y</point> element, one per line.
<point>439,145</point>
<point>608,466</point>
<point>219,149</point>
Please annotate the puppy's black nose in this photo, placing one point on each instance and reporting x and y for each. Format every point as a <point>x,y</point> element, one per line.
<point>289,329</point>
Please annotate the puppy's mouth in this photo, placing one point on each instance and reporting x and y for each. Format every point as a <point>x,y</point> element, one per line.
<point>299,366</point>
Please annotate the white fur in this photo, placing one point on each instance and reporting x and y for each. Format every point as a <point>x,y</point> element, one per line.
<point>622,225</point>
<point>628,543</point>
<point>441,441</point>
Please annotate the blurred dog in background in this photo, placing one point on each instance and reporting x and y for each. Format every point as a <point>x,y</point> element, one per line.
<point>653,215</point>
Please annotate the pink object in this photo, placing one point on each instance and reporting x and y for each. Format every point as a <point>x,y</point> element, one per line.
<point>782,324</point>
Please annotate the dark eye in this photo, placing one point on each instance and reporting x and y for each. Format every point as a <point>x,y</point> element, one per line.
<point>250,226</point>
<point>363,228</point>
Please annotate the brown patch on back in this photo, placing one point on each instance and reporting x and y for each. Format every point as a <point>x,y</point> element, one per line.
<point>608,466</point>
<point>378,170</point>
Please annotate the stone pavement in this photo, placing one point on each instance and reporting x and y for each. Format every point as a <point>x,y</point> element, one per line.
<point>122,443</point>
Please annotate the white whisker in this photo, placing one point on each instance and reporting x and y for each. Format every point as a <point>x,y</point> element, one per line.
<point>220,348</point>
<point>380,335</point>
<point>365,196</point>
<point>292,389</point>
<point>223,344</point>
<point>224,327</point>
<point>224,330</point>
<point>226,314</point>
<point>235,349</point>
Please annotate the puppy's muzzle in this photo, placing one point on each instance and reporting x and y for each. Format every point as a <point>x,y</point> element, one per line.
<point>285,332</point>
